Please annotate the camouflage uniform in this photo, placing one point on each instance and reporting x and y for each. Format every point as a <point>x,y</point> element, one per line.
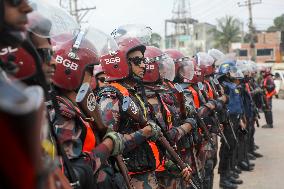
<point>139,160</point>
<point>206,157</point>
<point>269,87</point>
<point>94,163</point>
<point>161,110</point>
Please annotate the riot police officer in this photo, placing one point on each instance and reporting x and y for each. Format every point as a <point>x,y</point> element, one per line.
<point>268,86</point>
<point>124,110</point>
<point>230,77</point>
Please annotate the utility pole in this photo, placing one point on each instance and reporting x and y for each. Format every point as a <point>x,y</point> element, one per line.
<point>73,8</point>
<point>243,32</point>
<point>249,4</point>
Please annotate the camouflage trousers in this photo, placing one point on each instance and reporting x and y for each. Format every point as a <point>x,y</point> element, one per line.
<point>146,180</point>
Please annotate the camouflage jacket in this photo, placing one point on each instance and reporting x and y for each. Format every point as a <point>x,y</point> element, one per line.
<point>113,116</point>
<point>70,133</point>
<point>166,115</point>
<point>123,110</point>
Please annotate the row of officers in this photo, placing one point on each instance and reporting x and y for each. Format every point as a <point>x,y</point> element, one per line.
<point>83,109</point>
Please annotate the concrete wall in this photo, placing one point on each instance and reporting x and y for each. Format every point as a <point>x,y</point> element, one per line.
<point>266,40</point>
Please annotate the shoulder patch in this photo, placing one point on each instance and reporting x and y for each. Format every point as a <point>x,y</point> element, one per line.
<point>108,92</point>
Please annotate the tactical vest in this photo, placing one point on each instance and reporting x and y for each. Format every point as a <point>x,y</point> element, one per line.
<point>235,104</point>
<point>248,88</point>
<point>247,101</point>
<point>195,97</point>
<point>166,113</point>
<point>146,157</point>
<point>178,98</point>
<point>89,139</point>
<point>268,94</point>
<point>210,90</point>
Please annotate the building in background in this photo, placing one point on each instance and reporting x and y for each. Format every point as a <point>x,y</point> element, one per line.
<point>269,48</point>
<point>203,38</point>
<point>179,29</point>
<point>199,38</point>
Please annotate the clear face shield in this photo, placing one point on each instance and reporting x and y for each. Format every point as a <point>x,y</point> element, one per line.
<point>216,54</point>
<point>51,21</point>
<point>245,67</point>
<point>165,65</point>
<point>142,32</point>
<point>103,42</point>
<point>186,70</point>
<point>231,57</point>
<point>167,68</point>
<point>94,41</point>
<point>236,73</point>
<point>204,59</point>
<point>253,68</point>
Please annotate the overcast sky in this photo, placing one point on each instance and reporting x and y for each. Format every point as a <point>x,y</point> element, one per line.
<point>112,13</point>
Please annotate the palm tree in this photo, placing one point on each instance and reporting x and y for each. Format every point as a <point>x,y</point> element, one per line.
<point>227,32</point>
<point>278,24</point>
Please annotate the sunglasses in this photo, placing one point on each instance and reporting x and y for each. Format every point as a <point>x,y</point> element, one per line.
<point>15,3</point>
<point>101,79</point>
<point>45,54</point>
<point>137,61</point>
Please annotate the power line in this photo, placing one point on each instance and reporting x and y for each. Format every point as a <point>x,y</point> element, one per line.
<point>75,10</point>
<point>213,9</point>
<point>249,4</point>
<point>224,6</point>
<point>210,5</point>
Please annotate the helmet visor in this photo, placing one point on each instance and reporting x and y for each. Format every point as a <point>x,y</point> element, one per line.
<point>166,66</point>
<point>204,59</point>
<point>92,41</point>
<point>49,21</point>
<point>216,54</point>
<point>236,73</point>
<point>104,44</point>
<point>142,32</point>
<point>186,69</point>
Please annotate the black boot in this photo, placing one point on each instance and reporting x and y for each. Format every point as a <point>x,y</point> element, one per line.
<point>251,156</point>
<point>237,170</point>
<point>234,181</point>
<point>251,164</point>
<point>267,126</point>
<point>269,119</point>
<point>256,154</point>
<point>234,174</point>
<point>244,166</point>
<point>226,184</point>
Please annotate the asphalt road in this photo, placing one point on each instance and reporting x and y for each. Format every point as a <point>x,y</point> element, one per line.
<point>269,170</point>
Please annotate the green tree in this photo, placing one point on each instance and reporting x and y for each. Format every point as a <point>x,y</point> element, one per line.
<point>278,24</point>
<point>227,32</point>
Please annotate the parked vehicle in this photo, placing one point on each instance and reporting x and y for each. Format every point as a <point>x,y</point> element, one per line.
<point>279,82</point>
